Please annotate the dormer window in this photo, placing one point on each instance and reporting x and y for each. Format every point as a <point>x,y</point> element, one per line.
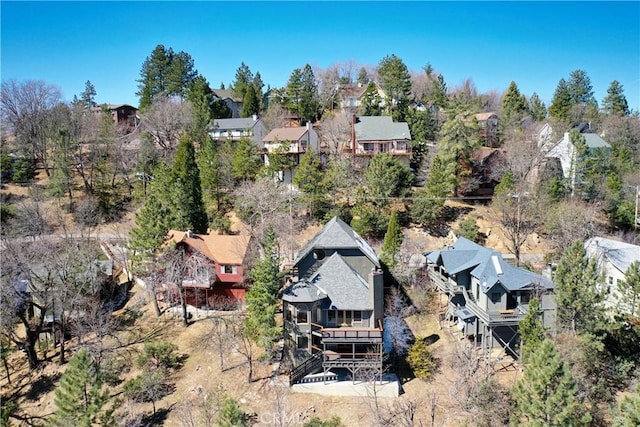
<point>319,254</point>
<point>229,269</point>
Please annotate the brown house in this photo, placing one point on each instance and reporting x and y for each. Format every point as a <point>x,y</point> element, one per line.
<point>123,114</point>
<point>488,123</point>
<point>214,270</point>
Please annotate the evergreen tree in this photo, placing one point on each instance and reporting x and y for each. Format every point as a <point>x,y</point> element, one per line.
<point>629,290</point>
<point>250,102</point>
<point>309,178</point>
<point>188,208</point>
<point>363,76</point>
<point>209,165</point>
<point>536,108</point>
<point>580,89</point>
<point>577,295</point>
<point>429,200</point>
<point>88,96</point>
<point>530,330</point>
<point>258,85</point>
<point>79,398</point>
<point>261,299</point>
<point>61,181</point>
<point>201,97</point>
<point>244,79</point>
<point>230,414</point>
<point>154,220</point>
<point>439,94</point>
<point>302,93</point>
<point>371,104</point>
<point>615,102</point>
<point>246,162</point>
<point>395,80</point>
<point>629,414</point>
<point>514,105</point>
<point>546,395</point>
<point>387,177</point>
<point>164,72</point>
<point>459,138</point>
<point>561,102</point>
<point>392,241</point>
<point>468,228</point>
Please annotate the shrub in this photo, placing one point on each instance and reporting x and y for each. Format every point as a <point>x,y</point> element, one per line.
<point>423,363</point>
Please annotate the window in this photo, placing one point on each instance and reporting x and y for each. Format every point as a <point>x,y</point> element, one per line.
<point>331,316</point>
<point>303,342</point>
<point>357,316</point>
<point>287,314</point>
<point>230,269</point>
<point>302,315</point>
<point>611,280</point>
<point>368,147</point>
<point>525,297</point>
<point>495,297</point>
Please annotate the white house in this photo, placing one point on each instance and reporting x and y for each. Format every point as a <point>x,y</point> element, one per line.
<point>234,129</point>
<point>614,258</point>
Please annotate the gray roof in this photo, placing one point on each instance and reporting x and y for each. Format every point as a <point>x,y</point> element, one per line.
<point>336,234</point>
<point>381,128</point>
<point>486,265</point>
<point>594,141</point>
<point>335,280</point>
<point>243,123</point>
<point>620,254</point>
<point>226,93</point>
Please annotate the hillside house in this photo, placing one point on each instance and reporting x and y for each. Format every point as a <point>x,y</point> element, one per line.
<point>252,128</point>
<point>123,114</point>
<point>352,95</point>
<point>234,103</point>
<point>486,296</point>
<point>488,123</point>
<point>565,152</point>
<point>291,142</point>
<point>614,259</point>
<point>334,307</point>
<point>380,134</point>
<point>214,270</point>
<point>486,172</point>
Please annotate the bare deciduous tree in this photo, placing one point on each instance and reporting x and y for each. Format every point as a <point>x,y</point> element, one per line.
<point>165,120</point>
<point>25,107</point>
<point>335,131</point>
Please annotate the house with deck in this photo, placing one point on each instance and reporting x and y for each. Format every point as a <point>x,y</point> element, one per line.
<point>233,102</point>
<point>289,144</point>
<point>214,269</point>
<point>334,306</point>
<point>486,296</point>
<point>614,259</point>
<point>252,128</point>
<point>380,134</point>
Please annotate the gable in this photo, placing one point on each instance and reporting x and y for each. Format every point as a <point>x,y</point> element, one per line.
<point>381,128</point>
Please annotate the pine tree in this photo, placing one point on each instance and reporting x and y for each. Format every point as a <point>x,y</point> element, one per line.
<point>615,102</point>
<point>546,395</point>
<point>250,102</point>
<point>310,179</point>
<point>395,80</point>
<point>88,96</point>
<point>392,241</point>
<point>302,93</point>
<point>429,200</point>
<point>629,290</point>
<point>459,138</point>
<point>201,96</point>
<point>387,177</point>
<point>514,104</point>
<point>561,102</point>
<point>363,76</point>
<point>246,162</point>
<point>577,293</point>
<point>536,108</point>
<point>629,414</point>
<point>580,89</point>
<point>371,104</point>
<point>244,79</point>
<point>261,299</point>
<point>530,330</point>
<point>230,414</point>
<point>188,208</point>
<point>79,398</point>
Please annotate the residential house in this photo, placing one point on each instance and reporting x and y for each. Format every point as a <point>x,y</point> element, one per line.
<point>352,96</point>
<point>234,103</point>
<point>214,270</point>
<point>234,129</point>
<point>614,258</point>
<point>334,307</point>
<point>564,151</point>
<point>488,123</point>
<point>486,172</point>
<point>486,296</point>
<point>380,134</point>
<point>291,142</point>
<point>123,114</point>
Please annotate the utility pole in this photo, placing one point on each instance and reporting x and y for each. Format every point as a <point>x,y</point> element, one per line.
<point>635,218</point>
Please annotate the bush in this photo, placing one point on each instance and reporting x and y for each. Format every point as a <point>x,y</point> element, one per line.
<point>23,170</point>
<point>423,363</point>
<point>159,355</point>
<point>230,414</point>
<point>469,230</point>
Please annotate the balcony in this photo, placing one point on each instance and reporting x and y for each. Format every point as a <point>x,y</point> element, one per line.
<point>443,283</point>
<point>509,317</point>
<point>348,334</point>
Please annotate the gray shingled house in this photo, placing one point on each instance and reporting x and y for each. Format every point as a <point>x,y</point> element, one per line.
<point>334,307</point>
<point>488,297</point>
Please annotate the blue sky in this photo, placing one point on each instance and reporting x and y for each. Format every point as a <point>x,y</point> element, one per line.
<point>533,43</point>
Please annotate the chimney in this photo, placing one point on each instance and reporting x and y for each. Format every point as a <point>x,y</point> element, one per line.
<point>189,234</point>
<point>353,133</point>
<point>308,125</point>
<point>255,117</point>
<point>376,294</point>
